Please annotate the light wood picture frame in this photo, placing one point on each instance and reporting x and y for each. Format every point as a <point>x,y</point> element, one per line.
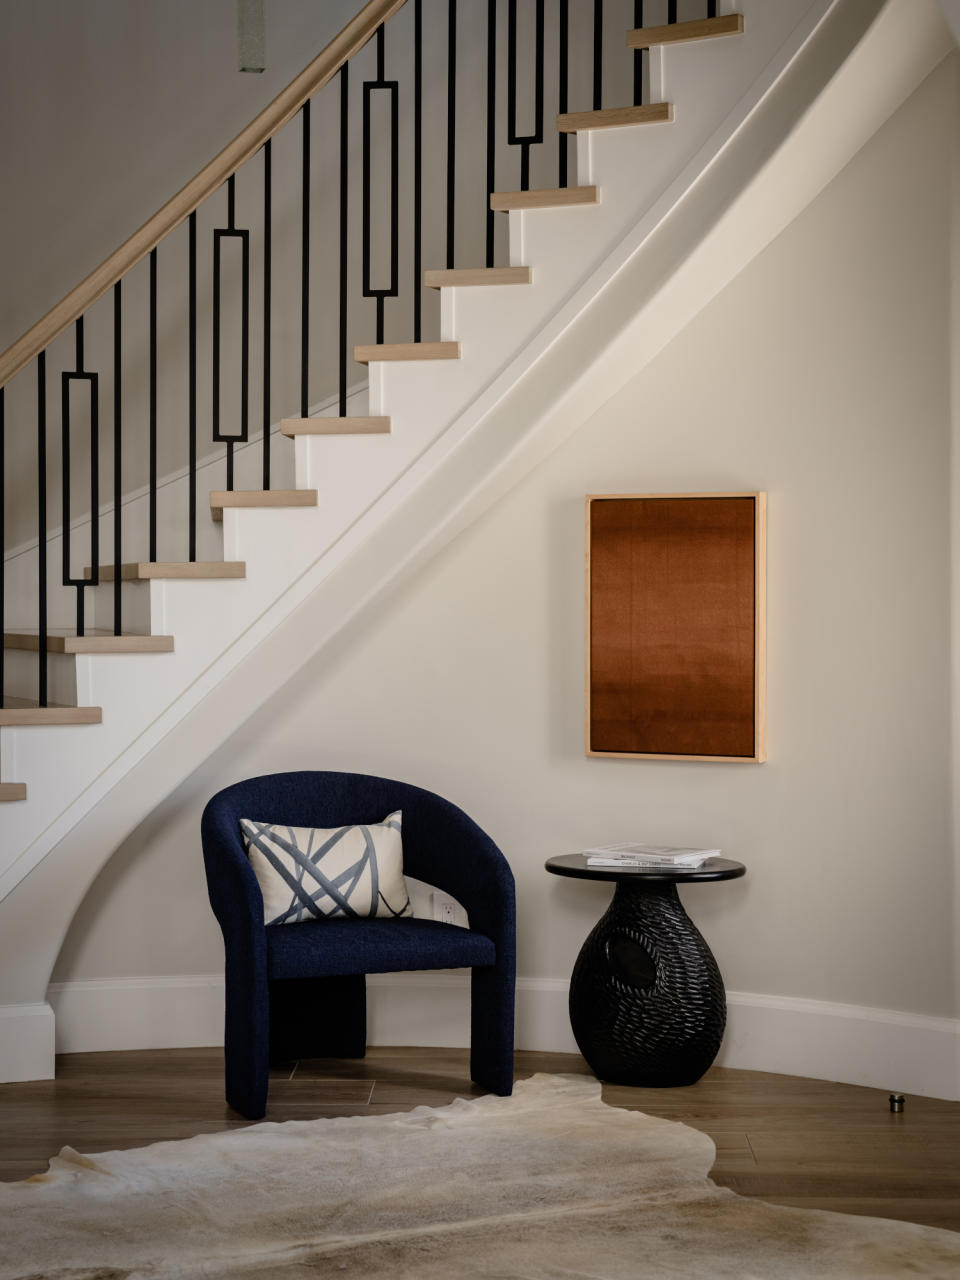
<point>676,626</point>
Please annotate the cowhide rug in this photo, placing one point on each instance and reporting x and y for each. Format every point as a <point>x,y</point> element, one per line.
<point>550,1184</point>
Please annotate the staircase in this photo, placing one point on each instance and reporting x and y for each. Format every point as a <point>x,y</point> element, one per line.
<point>227,572</point>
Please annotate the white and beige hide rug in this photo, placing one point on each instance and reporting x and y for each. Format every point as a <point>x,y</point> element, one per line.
<point>550,1184</point>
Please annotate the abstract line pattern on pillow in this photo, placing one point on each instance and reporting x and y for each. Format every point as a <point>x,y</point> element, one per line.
<point>312,873</point>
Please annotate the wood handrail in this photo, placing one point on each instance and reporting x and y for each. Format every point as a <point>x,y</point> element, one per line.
<point>246,144</point>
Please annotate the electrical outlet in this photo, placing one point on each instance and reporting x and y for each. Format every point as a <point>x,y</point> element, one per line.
<point>444,908</point>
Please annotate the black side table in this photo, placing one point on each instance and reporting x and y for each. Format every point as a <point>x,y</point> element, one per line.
<point>647,1003</point>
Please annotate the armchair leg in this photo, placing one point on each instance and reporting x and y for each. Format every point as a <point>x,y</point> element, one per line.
<point>246,1038</point>
<point>491,1029</point>
<point>318,1018</point>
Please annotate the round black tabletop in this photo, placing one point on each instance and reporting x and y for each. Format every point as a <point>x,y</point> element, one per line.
<point>575,864</point>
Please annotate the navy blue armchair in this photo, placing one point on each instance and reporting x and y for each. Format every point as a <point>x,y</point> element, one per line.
<point>298,990</point>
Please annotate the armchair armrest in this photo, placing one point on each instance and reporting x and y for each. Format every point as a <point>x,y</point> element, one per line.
<point>446,848</point>
<point>231,884</point>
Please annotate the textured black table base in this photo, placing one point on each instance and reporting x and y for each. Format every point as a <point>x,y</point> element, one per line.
<point>646,997</point>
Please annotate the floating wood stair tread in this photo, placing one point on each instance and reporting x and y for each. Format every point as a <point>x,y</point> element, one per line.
<point>407,351</point>
<point>12,791</point>
<point>17,712</point>
<point>468,276</point>
<point>615,117</point>
<point>142,570</point>
<point>335,426</point>
<point>728,24</point>
<point>221,498</point>
<point>92,641</point>
<point>547,198</point>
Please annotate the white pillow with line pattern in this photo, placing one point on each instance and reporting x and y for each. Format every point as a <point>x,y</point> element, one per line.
<point>328,873</point>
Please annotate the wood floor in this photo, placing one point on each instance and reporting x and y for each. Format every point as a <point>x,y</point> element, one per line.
<point>788,1140</point>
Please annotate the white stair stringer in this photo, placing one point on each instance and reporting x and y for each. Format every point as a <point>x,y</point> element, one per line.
<point>462,433</point>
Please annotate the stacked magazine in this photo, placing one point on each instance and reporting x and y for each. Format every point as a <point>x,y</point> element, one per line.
<point>648,856</point>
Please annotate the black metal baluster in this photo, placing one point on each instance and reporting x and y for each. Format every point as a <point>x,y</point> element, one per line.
<point>671,11</point>
<point>417,170</point>
<point>392,88</point>
<point>80,375</point>
<point>3,489</point>
<point>524,141</point>
<point>267,271</point>
<point>597,55</point>
<point>42,529</point>
<point>231,211</point>
<point>192,387</point>
<point>232,232</point>
<point>563,139</point>
<point>305,266</point>
<point>711,8</point>
<point>637,56</point>
<point>344,212</point>
<point>153,405</point>
<point>451,128</point>
<point>117,461</point>
<point>491,122</point>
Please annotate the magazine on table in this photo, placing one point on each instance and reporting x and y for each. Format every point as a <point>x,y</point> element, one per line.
<point>647,855</point>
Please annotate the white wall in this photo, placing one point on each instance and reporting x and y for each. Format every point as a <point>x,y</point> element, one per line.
<point>822,375</point>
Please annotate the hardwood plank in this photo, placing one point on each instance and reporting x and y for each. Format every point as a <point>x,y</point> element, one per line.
<point>468,276</point>
<point>315,1091</point>
<point>726,24</point>
<point>143,570</point>
<point>334,426</point>
<point>407,351</point>
<point>20,712</point>
<point>547,198</point>
<point>615,117</point>
<point>11,791</point>
<point>237,498</point>
<point>409,1093</point>
<point>91,642</point>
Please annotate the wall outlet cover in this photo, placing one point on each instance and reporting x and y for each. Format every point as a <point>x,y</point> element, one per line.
<point>444,908</point>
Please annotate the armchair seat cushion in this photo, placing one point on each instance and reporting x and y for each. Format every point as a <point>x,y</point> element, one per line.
<point>332,948</point>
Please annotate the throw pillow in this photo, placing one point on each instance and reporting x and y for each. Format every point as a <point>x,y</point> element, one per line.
<point>315,873</point>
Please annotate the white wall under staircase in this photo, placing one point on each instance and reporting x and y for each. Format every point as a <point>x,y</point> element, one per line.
<point>489,421</point>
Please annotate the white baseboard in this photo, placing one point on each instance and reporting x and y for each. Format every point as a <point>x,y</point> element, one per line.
<point>26,1042</point>
<point>181,1012</point>
<point>879,1048</point>
<point>853,1044</point>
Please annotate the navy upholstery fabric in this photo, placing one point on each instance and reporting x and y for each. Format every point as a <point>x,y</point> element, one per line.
<point>282,981</point>
<point>329,948</point>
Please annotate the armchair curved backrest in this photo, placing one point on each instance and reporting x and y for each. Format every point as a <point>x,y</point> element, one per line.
<point>441,844</point>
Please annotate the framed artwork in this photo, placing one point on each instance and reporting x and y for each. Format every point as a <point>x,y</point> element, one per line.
<point>676,644</point>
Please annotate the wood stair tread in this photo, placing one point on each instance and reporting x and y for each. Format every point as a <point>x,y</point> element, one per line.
<point>143,570</point>
<point>727,24</point>
<point>92,641</point>
<point>334,426</point>
<point>17,712</point>
<point>12,791</point>
<point>461,277</point>
<point>615,117</point>
<point>406,351</point>
<point>238,498</point>
<point>546,198</point>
